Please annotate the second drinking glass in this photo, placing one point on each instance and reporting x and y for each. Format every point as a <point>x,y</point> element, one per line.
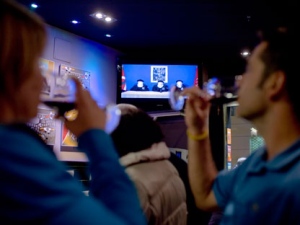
<point>217,92</point>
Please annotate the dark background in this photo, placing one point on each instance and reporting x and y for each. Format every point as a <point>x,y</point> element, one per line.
<point>211,33</point>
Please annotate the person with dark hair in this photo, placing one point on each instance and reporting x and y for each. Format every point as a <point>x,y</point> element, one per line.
<point>139,86</point>
<point>144,154</point>
<point>160,87</point>
<point>35,187</point>
<point>265,188</point>
<point>180,85</point>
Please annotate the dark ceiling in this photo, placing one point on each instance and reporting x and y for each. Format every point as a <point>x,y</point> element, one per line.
<point>213,32</point>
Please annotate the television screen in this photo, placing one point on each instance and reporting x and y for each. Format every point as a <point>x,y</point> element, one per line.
<point>154,81</point>
<point>147,85</point>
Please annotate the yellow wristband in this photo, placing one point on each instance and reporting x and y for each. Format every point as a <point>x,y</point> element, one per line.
<point>198,137</point>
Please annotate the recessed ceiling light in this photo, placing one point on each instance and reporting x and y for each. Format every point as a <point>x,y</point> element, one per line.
<point>108,35</point>
<point>108,19</point>
<point>99,15</point>
<point>75,21</point>
<point>102,16</point>
<point>245,53</point>
<point>34,6</point>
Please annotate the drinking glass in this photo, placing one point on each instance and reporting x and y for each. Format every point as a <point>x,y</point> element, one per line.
<point>217,91</point>
<point>59,94</point>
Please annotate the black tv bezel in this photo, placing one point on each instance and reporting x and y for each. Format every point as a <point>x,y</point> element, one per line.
<point>153,104</point>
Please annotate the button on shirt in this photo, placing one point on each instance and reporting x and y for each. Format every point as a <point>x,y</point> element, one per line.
<point>260,191</point>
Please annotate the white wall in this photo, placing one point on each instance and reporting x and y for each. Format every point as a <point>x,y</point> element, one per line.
<point>241,134</point>
<point>101,61</point>
<point>69,49</point>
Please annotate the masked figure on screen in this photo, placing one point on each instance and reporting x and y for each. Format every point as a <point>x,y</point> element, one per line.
<point>139,86</point>
<point>180,85</point>
<point>160,87</point>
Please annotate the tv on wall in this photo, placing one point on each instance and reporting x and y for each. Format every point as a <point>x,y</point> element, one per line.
<point>147,85</point>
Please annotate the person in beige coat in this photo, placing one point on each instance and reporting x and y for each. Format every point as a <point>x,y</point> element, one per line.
<point>138,140</point>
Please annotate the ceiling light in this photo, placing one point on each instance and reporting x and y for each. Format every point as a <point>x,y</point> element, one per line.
<point>245,53</point>
<point>102,16</point>
<point>75,21</point>
<point>99,15</point>
<point>108,19</point>
<point>108,35</point>
<point>34,6</point>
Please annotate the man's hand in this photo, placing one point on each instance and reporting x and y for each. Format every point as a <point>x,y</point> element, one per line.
<point>196,110</point>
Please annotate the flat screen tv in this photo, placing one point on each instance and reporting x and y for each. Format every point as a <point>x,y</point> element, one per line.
<point>147,85</point>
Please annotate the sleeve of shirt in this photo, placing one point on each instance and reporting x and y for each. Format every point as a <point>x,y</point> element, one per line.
<point>36,189</point>
<point>223,186</point>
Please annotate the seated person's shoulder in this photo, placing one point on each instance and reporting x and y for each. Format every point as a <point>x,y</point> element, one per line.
<point>160,86</point>
<point>140,86</point>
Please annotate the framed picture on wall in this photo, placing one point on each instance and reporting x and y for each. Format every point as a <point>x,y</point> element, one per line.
<point>159,73</point>
<point>83,76</point>
<point>47,69</point>
<point>44,125</point>
<point>67,150</point>
<point>68,139</point>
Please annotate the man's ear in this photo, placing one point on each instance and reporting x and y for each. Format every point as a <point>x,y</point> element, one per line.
<point>276,84</point>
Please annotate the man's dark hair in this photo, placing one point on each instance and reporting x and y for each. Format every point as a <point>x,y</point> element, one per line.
<point>279,55</point>
<point>136,131</point>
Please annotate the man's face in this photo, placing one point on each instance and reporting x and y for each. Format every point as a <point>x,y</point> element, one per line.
<point>179,84</point>
<point>140,84</point>
<point>251,95</point>
<point>160,84</point>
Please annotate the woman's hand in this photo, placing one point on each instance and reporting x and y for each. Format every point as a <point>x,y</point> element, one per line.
<point>90,115</point>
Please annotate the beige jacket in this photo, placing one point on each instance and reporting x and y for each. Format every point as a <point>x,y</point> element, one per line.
<point>161,190</point>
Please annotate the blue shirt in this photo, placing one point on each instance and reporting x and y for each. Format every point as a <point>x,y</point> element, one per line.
<point>260,191</point>
<point>36,189</point>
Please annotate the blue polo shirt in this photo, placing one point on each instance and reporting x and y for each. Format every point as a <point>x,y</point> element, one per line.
<point>260,191</point>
